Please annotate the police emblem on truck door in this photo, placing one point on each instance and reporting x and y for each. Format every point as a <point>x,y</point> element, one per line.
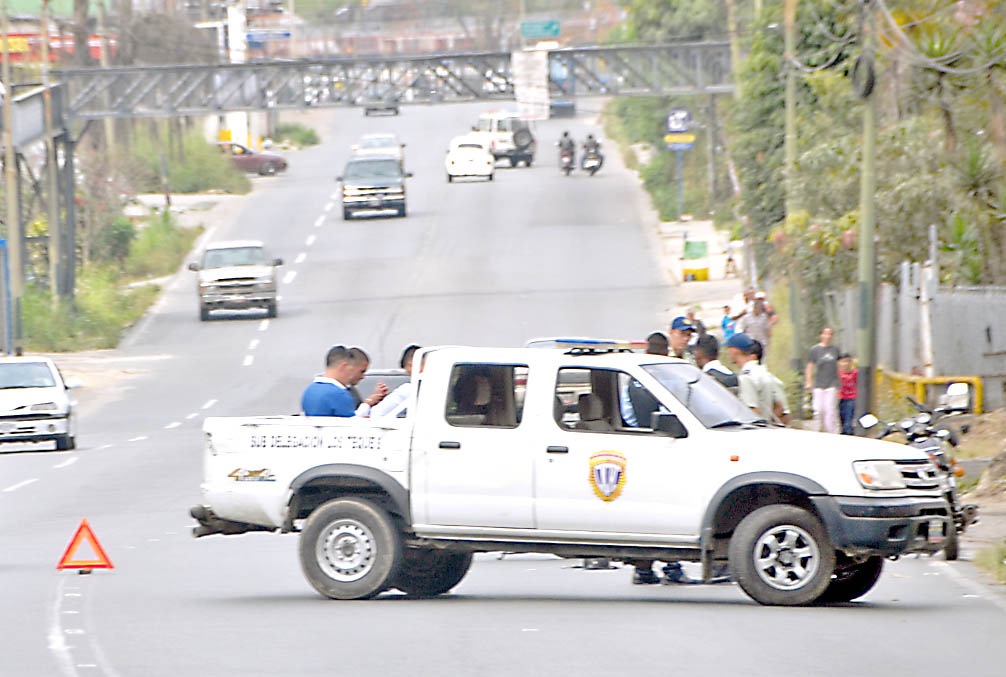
<point>607,474</point>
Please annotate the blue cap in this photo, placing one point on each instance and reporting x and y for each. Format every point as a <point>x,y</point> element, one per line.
<point>681,323</point>
<point>742,342</point>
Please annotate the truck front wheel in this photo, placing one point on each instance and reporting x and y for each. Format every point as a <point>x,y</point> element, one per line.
<point>780,555</point>
<point>350,549</point>
<point>427,572</point>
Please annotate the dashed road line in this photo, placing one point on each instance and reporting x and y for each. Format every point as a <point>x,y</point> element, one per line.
<point>248,361</point>
<point>20,485</point>
<point>209,403</point>
<point>138,438</point>
<point>263,325</point>
<point>191,416</point>
<point>300,258</point>
<point>253,344</point>
<point>328,206</point>
<point>67,462</point>
<point>320,220</point>
<point>173,424</point>
<point>311,239</point>
<point>290,275</point>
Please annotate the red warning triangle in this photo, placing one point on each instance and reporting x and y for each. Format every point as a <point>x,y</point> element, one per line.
<point>69,559</point>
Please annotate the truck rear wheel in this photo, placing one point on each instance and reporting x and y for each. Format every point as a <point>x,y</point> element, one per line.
<point>427,572</point>
<point>204,313</point>
<point>852,580</point>
<point>951,546</point>
<point>350,549</point>
<point>780,555</point>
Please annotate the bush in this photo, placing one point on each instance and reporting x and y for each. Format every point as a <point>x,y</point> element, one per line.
<point>993,560</point>
<point>114,240</point>
<point>201,167</point>
<point>296,134</point>
<point>159,248</point>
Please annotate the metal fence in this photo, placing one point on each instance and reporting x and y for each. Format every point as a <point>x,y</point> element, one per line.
<point>966,329</point>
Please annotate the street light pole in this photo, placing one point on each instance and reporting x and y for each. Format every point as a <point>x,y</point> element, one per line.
<point>13,220</point>
<point>56,262</point>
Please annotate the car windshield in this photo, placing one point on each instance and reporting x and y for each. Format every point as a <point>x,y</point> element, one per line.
<point>470,147</point>
<point>236,256</point>
<point>26,375</point>
<point>378,142</point>
<point>371,169</point>
<point>704,397</point>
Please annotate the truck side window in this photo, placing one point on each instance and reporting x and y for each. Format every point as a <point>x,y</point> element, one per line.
<point>602,400</point>
<point>486,395</point>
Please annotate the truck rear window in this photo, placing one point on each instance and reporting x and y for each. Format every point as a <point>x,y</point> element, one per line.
<point>486,395</point>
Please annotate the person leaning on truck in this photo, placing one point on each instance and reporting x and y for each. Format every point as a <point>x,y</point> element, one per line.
<point>328,394</point>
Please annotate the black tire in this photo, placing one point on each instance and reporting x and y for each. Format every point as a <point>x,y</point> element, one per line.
<point>204,313</point>
<point>952,546</point>
<point>268,169</point>
<point>514,160</point>
<point>427,572</point>
<point>522,138</point>
<point>401,211</point>
<point>65,443</point>
<point>568,170</point>
<point>272,310</point>
<point>350,549</point>
<point>347,215</point>
<point>492,176</point>
<point>852,580</point>
<point>450,179</point>
<point>528,159</point>
<point>780,556</point>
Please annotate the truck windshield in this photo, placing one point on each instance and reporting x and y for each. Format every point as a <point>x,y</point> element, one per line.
<point>708,401</point>
<point>374,169</point>
<point>236,256</point>
<point>26,375</point>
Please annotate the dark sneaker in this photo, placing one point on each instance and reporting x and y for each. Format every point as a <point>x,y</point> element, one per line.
<point>645,577</point>
<point>673,573</point>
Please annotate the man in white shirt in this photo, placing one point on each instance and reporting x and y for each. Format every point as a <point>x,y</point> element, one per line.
<point>397,401</point>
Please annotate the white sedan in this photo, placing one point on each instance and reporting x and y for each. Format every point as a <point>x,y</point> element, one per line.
<point>34,403</point>
<point>469,156</point>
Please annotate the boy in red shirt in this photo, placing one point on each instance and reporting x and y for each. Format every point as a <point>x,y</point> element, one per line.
<point>847,390</point>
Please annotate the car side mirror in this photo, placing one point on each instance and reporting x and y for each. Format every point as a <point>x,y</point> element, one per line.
<point>668,424</point>
<point>958,397</point>
<point>277,262</point>
<point>867,421</point>
<point>72,382</point>
<point>408,175</point>
<point>338,179</point>
<point>193,266</point>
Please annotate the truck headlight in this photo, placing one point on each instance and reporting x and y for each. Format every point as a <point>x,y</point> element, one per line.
<point>879,475</point>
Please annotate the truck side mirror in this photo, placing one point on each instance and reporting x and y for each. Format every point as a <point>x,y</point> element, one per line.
<point>338,179</point>
<point>958,397</point>
<point>277,262</point>
<point>193,266</point>
<point>668,424</point>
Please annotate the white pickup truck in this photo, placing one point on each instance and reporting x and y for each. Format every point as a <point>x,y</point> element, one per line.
<point>529,450</point>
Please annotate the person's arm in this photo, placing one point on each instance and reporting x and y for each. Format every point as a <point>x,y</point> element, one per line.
<point>808,373</point>
<point>390,403</point>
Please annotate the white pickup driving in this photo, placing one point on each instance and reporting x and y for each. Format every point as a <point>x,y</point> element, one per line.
<point>528,450</point>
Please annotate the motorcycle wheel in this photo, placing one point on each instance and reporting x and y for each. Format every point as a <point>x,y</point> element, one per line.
<point>567,170</point>
<point>952,548</point>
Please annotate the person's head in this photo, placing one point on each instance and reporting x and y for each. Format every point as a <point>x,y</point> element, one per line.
<point>826,335</point>
<point>590,137</point>
<point>707,349</point>
<point>406,361</point>
<point>749,294</point>
<point>845,362</point>
<point>757,350</point>
<point>726,310</point>
<point>740,348</point>
<point>346,365</point>
<point>656,344</point>
<point>565,135</point>
<point>759,307</point>
<point>680,334</point>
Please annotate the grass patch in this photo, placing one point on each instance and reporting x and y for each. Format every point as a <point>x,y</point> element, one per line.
<point>296,134</point>
<point>199,167</point>
<point>104,306</point>
<point>993,560</point>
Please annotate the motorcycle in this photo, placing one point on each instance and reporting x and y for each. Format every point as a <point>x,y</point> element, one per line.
<point>592,161</point>
<point>930,431</point>
<point>566,161</point>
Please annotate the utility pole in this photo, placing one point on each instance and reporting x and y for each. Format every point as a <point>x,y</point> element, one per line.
<point>864,82</point>
<point>15,239</point>
<point>52,195</point>
<point>789,167</point>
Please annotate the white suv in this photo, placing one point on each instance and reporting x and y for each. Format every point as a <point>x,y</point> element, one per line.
<point>34,403</point>
<point>510,136</point>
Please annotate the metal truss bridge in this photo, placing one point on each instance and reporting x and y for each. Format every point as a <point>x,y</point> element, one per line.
<point>165,91</point>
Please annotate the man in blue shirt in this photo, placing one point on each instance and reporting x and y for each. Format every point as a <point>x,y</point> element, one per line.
<point>329,394</point>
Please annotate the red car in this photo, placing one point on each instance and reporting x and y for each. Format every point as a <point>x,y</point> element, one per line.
<point>247,160</point>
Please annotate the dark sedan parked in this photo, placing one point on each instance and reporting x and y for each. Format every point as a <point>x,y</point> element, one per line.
<point>247,160</point>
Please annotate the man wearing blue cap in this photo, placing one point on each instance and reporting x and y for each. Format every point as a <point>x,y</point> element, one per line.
<point>679,337</point>
<point>756,386</point>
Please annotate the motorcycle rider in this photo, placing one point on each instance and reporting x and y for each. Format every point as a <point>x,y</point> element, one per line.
<point>566,146</point>
<point>590,147</point>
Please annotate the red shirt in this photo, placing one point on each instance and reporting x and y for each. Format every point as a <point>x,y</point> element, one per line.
<point>847,389</point>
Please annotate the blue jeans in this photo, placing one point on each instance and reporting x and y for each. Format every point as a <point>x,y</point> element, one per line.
<point>847,412</point>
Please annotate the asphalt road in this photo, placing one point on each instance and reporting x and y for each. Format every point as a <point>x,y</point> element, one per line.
<point>531,254</point>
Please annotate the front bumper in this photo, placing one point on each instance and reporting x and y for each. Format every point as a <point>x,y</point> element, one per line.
<point>373,201</point>
<point>885,526</point>
<point>33,429</point>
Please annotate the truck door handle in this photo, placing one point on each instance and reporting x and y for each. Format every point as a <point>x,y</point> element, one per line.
<point>557,450</point>
<point>450,445</point>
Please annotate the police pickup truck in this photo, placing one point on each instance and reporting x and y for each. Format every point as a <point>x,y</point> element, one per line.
<point>529,450</point>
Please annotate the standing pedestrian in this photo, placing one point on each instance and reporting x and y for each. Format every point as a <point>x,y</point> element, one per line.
<point>679,336</point>
<point>848,389</point>
<point>821,379</point>
<point>728,324</point>
<point>757,324</point>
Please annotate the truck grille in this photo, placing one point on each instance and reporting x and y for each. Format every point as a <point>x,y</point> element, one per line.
<point>919,474</point>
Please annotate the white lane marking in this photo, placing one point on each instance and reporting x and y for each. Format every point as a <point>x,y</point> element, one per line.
<point>139,438</point>
<point>311,239</point>
<point>70,612</point>
<point>336,196</point>
<point>105,446</point>
<point>209,403</point>
<point>74,631</point>
<point>974,586</point>
<point>173,424</point>
<point>191,416</point>
<point>67,462</point>
<point>288,278</point>
<point>263,325</point>
<point>249,359</point>
<point>253,344</point>
<point>300,258</point>
<point>328,206</point>
<point>19,485</point>
<point>319,221</point>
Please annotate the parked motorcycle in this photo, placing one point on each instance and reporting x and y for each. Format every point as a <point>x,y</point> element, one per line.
<point>932,431</point>
<point>592,161</point>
